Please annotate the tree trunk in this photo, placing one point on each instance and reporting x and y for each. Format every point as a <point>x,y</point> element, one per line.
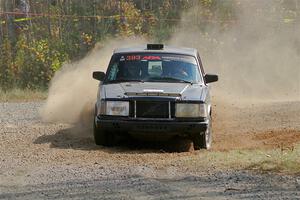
<point>9,5</point>
<point>49,20</point>
<point>2,20</point>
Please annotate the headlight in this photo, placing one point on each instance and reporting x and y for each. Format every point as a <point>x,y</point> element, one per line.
<point>117,108</point>
<point>191,110</point>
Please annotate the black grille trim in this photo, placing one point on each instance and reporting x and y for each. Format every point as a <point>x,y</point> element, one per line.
<point>152,109</point>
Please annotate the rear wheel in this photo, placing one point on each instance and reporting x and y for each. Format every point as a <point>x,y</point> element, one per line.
<point>203,140</point>
<point>102,137</point>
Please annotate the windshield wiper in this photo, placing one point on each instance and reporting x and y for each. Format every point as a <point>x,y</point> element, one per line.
<point>125,80</point>
<point>168,78</point>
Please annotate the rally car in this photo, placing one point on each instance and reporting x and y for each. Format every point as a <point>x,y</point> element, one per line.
<point>154,91</point>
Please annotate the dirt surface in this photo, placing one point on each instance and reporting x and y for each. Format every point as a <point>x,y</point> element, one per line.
<point>42,160</point>
<point>261,125</point>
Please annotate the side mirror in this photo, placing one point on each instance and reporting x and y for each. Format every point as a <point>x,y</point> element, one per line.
<point>209,78</point>
<point>99,75</point>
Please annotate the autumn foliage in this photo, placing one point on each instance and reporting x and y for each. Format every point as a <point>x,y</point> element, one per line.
<point>38,37</point>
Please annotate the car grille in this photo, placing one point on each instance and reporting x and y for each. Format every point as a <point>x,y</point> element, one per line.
<point>152,109</point>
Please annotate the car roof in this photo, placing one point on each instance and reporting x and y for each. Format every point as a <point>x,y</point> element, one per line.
<point>166,49</point>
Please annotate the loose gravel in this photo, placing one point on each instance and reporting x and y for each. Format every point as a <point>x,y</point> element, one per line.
<point>60,161</point>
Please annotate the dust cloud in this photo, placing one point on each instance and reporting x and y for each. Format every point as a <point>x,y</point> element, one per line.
<point>73,91</point>
<point>257,56</point>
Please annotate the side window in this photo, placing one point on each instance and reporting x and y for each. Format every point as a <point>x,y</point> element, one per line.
<point>113,72</point>
<point>201,66</point>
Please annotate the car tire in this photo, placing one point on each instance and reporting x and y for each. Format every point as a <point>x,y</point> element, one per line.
<point>102,137</point>
<point>203,140</point>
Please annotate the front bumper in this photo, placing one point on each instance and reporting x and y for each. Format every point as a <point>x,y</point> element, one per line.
<point>151,126</point>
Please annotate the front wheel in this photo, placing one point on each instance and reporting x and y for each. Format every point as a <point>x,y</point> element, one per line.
<point>102,137</point>
<point>203,140</point>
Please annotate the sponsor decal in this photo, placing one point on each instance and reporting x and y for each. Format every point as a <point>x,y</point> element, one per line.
<point>138,57</point>
<point>151,58</point>
<point>133,57</point>
<point>153,90</point>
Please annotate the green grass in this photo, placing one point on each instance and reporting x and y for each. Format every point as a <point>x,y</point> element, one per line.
<point>17,95</point>
<point>274,160</point>
<point>287,161</point>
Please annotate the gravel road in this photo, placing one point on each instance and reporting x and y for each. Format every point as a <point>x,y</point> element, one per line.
<point>60,161</point>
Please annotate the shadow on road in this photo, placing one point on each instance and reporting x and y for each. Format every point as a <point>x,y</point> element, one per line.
<point>76,137</point>
<point>81,138</point>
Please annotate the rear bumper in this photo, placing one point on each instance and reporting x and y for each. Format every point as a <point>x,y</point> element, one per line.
<point>138,126</point>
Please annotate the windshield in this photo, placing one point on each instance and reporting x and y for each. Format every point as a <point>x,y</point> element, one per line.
<point>153,68</point>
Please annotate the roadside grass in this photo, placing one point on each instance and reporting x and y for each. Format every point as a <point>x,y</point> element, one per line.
<point>286,161</point>
<point>275,160</point>
<point>17,95</point>
<point>281,161</point>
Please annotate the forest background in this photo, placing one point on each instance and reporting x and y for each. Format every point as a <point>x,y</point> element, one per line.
<point>37,37</point>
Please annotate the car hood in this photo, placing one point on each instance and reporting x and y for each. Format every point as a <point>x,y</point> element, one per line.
<point>183,91</point>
